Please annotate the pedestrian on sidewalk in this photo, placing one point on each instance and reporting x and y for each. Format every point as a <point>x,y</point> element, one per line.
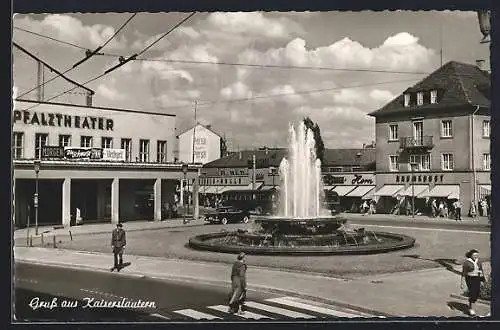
<point>473,212</point>
<point>118,242</point>
<point>238,285</point>
<point>458,210</point>
<point>472,271</point>
<point>433,208</point>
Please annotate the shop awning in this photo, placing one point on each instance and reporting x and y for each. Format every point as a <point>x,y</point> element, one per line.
<point>212,189</point>
<point>446,191</point>
<point>389,190</point>
<point>328,188</point>
<point>417,190</point>
<point>343,190</point>
<point>485,190</point>
<point>360,191</point>
<point>370,195</point>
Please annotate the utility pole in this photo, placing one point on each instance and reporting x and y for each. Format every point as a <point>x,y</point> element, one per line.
<point>40,81</point>
<point>253,172</point>
<point>194,127</point>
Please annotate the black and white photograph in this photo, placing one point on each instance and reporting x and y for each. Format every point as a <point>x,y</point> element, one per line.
<point>259,166</point>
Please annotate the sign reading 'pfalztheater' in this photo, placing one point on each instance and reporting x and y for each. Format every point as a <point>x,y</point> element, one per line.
<point>60,120</point>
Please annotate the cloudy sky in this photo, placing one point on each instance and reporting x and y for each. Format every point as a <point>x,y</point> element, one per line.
<point>355,63</point>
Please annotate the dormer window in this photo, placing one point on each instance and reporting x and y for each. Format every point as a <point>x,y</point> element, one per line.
<point>434,95</point>
<point>420,98</point>
<point>407,100</point>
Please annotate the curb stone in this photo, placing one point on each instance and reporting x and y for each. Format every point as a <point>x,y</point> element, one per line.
<point>372,313</point>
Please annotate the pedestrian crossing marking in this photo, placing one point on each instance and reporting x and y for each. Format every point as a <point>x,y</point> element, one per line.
<point>278,310</point>
<point>245,315</point>
<point>310,306</point>
<point>195,314</point>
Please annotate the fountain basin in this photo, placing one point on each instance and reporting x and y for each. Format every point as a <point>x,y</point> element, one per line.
<point>238,241</point>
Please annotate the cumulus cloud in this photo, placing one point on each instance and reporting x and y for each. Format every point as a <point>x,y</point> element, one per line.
<point>238,90</point>
<point>398,52</point>
<point>70,29</point>
<point>110,93</point>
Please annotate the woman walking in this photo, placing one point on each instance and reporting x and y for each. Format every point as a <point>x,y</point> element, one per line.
<point>238,284</point>
<point>472,271</point>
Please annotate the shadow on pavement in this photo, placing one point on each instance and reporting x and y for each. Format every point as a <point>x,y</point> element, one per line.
<point>455,305</point>
<point>448,264</point>
<point>125,264</point>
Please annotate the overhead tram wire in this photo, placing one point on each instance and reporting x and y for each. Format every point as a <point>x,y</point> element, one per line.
<point>122,62</point>
<point>88,56</point>
<point>251,65</point>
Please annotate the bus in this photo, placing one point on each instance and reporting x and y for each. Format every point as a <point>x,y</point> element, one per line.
<point>265,202</point>
<point>256,201</point>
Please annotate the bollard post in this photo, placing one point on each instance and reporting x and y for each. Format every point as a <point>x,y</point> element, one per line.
<point>41,237</point>
<point>70,235</point>
<point>31,241</point>
<point>54,240</point>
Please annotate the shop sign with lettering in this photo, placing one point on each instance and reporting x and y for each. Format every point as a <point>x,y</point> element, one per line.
<point>60,120</point>
<point>83,153</point>
<point>113,154</point>
<point>349,179</point>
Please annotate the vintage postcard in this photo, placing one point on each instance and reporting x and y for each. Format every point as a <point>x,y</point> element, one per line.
<point>251,166</point>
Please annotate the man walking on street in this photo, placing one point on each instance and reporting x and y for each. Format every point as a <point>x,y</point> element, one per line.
<point>238,284</point>
<point>118,242</point>
<point>458,210</point>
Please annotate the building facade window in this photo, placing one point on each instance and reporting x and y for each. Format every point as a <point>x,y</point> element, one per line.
<point>41,139</point>
<point>106,142</point>
<point>144,151</point>
<point>486,162</point>
<point>18,145</point>
<point>393,163</point>
<point>406,100</point>
<point>336,169</point>
<point>434,95</point>
<point>86,142</point>
<point>161,151</point>
<point>356,169</point>
<point>486,128</point>
<point>446,129</point>
<point>423,162</point>
<point>420,98</point>
<point>126,144</point>
<point>64,140</point>
<point>447,162</point>
<point>393,132</point>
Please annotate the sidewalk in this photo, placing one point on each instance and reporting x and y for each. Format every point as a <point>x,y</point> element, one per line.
<point>99,228</point>
<point>419,293</point>
<point>418,219</point>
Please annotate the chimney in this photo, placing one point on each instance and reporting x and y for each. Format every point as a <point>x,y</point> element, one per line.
<point>479,64</point>
<point>209,126</point>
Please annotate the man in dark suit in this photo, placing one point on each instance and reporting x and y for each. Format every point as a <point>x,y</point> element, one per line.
<point>118,242</point>
<point>238,285</point>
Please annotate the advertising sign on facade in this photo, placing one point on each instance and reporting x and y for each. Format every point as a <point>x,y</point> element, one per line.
<point>116,155</point>
<point>52,152</point>
<point>200,148</point>
<point>349,179</point>
<point>83,153</point>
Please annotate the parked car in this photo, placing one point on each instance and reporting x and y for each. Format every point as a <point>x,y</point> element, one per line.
<point>227,214</point>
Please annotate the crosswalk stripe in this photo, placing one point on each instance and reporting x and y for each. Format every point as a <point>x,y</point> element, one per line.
<point>245,315</point>
<point>195,314</point>
<point>277,310</point>
<point>310,306</point>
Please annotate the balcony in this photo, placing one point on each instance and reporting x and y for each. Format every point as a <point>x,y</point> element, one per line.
<point>410,142</point>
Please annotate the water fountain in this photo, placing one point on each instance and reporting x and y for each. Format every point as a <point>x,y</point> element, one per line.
<point>302,225</point>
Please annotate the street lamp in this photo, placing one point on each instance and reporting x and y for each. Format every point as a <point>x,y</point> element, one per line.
<point>184,170</point>
<point>36,164</point>
<point>413,166</point>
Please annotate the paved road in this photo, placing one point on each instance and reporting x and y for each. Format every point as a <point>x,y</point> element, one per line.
<point>161,300</point>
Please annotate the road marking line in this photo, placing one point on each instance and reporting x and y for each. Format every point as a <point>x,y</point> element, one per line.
<point>418,228</point>
<point>278,310</point>
<point>195,314</point>
<point>311,306</point>
<point>160,316</point>
<point>245,315</point>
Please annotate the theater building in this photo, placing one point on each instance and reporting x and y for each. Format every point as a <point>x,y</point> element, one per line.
<point>433,141</point>
<point>95,164</point>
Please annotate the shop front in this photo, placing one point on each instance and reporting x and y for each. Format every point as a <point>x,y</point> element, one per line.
<point>352,189</point>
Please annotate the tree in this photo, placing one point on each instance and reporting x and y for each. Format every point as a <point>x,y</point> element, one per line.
<point>320,146</point>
